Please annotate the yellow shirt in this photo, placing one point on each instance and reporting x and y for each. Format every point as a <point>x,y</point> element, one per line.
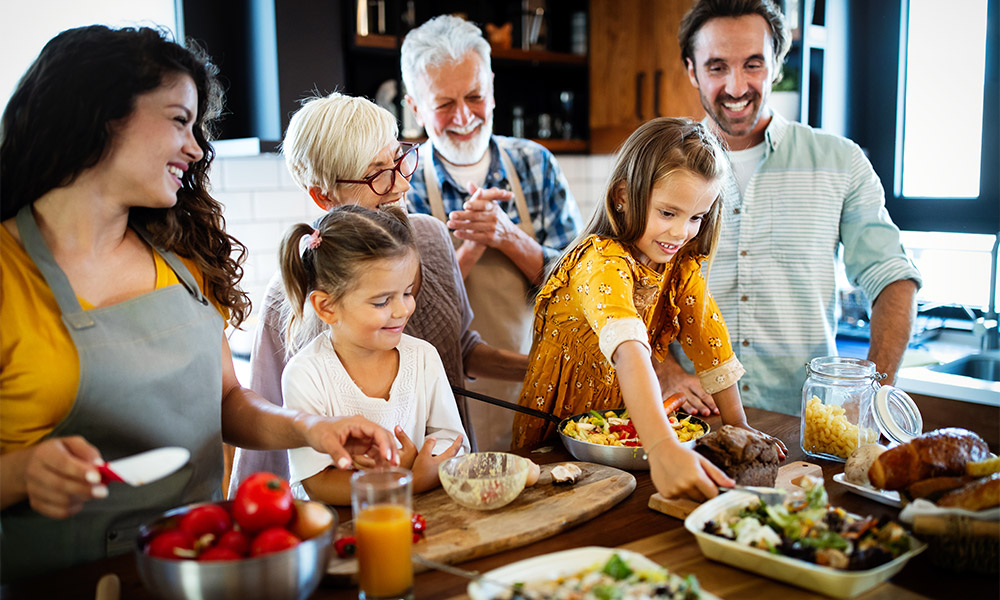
<point>39,365</point>
<point>597,298</point>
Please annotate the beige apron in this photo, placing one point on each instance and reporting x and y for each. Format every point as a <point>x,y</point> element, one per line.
<point>503,308</point>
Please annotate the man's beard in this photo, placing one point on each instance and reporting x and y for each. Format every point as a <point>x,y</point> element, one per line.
<point>739,128</point>
<point>467,152</point>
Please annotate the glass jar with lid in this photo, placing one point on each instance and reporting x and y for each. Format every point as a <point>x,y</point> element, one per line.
<point>843,407</point>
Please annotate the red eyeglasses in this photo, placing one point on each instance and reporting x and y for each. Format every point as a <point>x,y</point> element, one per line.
<point>383,181</point>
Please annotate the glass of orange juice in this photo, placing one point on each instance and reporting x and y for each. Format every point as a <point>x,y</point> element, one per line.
<point>381,499</point>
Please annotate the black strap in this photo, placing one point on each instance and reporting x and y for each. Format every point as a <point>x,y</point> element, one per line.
<point>503,403</point>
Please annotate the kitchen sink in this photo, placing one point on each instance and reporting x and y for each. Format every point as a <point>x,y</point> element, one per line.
<point>985,366</point>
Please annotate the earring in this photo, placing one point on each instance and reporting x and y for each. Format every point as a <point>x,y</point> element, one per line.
<point>619,207</point>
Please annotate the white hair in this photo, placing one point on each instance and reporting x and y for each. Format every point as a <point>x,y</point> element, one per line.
<point>335,137</point>
<point>442,39</point>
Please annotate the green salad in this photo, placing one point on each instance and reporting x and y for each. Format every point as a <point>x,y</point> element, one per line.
<point>810,529</point>
<point>611,580</point>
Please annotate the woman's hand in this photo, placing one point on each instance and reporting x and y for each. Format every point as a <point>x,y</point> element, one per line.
<point>345,436</point>
<point>57,476</point>
<point>681,473</point>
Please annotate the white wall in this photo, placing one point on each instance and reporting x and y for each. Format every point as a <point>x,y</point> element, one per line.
<point>261,203</point>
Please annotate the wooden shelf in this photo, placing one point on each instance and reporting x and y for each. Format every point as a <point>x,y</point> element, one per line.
<point>539,56</point>
<point>376,40</point>
<point>557,146</point>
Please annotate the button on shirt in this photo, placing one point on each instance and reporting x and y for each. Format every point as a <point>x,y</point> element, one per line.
<point>774,273</point>
<point>555,215</point>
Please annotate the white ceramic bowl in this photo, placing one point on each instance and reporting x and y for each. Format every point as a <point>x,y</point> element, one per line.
<point>825,580</point>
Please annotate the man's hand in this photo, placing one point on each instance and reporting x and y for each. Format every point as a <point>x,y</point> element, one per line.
<point>675,381</point>
<point>482,221</point>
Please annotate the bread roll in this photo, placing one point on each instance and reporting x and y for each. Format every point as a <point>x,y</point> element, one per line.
<point>935,487</point>
<point>934,454</point>
<point>858,463</point>
<point>978,495</point>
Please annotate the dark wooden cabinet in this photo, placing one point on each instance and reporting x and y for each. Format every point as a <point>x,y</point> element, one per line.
<point>635,69</point>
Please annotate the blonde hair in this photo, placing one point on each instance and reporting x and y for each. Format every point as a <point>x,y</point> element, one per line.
<point>345,239</point>
<point>335,137</point>
<point>654,151</point>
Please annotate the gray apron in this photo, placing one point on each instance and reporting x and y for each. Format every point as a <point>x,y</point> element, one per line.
<point>503,311</point>
<point>150,376</point>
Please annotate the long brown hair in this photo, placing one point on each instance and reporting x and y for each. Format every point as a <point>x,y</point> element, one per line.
<point>344,240</point>
<point>655,150</point>
<point>61,119</point>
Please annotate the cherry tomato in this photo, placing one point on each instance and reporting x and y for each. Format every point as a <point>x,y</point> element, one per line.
<point>310,520</point>
<point>273,539</point>
<point>417,537</point>
<point>234,540</point>
<point>210,518</point>
<point>345,546</point>
<point>172,544</point>
<point>419,524</point>
<point>219,553</point>
<point>263,500</point>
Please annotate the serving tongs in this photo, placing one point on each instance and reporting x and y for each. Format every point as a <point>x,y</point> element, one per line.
<point>504,404</point>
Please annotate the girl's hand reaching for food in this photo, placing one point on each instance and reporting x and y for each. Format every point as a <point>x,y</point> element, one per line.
<point>681,473</point>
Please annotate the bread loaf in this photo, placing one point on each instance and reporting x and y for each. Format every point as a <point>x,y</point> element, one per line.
<point>978,495</point>
<point>745,456</point>
<point>935,454</point>
<point>934,487</point>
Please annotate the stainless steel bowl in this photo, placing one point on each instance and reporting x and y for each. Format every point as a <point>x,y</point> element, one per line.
<point>289,575</point>
<point>629,458</point>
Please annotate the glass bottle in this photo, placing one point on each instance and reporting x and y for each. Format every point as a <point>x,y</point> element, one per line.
<point>837,400</point>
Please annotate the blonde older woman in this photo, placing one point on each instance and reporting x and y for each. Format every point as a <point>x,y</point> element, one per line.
<point>343,150</point>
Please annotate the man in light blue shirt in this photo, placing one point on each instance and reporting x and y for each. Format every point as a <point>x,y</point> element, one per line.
<point>798,201</point>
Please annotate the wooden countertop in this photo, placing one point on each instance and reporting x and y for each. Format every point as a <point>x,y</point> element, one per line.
<point>631,524</point>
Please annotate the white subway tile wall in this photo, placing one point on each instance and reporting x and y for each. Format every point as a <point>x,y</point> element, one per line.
<point>262,202</point>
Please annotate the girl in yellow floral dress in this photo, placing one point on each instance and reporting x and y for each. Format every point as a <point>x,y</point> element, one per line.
<point>632,284</point>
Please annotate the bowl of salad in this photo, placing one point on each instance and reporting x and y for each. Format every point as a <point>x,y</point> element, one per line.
<point>609,437</point>
<point>803,542</point>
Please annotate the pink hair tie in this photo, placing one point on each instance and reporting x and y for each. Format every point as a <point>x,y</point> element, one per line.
<point>314,240</point>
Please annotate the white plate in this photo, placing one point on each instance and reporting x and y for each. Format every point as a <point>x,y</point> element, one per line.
<point>557,564</point>
<point>883,496</point>
<point>825,580</point>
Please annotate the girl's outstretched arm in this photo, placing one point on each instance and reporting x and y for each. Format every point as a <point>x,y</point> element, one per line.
<point>676,471</point>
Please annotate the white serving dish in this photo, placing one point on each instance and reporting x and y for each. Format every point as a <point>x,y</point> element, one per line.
<point>884,496</point>
<point>824,580</point>
<point>556,564</point>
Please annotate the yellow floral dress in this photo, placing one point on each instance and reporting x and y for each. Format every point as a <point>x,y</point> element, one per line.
<point>599,297</point>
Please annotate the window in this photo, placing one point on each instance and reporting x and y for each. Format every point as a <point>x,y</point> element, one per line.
<point>27,26</point>
<point>942,79</point>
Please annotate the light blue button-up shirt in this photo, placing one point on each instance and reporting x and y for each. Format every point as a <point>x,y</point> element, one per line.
<point>774,274</point>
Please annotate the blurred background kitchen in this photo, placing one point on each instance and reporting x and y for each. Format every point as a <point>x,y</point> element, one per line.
<point>913,82</point>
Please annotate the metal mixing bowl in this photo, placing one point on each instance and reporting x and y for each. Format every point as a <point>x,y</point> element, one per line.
<point>484,480</point>
<point>629,458</point>
<point>292,574</point>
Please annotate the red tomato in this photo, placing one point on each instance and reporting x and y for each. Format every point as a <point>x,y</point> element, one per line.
<point>274,539</point>
<point>219,553</point>
<point>237,541</point>
<point>172,544</point>
<point>263,500</point>
<point>210,518</point>
<point>346,546</point>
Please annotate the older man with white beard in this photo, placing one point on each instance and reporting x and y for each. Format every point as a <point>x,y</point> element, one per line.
<point>505,199</point>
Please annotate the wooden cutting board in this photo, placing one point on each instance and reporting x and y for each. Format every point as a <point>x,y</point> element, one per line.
<point>456,534</point>
<point>788,479</point>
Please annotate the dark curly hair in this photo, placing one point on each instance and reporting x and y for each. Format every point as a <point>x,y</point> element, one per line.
<point>61,118</point>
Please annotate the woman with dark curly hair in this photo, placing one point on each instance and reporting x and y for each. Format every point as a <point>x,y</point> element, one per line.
<point>117,278</point>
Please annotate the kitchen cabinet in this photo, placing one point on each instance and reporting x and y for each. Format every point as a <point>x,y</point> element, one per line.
<point>636,71</point>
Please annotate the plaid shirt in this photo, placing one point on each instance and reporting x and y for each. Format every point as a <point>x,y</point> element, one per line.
<point>555,216</point>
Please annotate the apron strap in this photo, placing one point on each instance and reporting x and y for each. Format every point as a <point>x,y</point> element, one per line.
<point>183,274</point>
<point>437,204</point>
<point>41,255</point>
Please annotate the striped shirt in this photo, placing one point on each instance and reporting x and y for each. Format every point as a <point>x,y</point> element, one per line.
<point>774,273</point>
<point>554,213</point>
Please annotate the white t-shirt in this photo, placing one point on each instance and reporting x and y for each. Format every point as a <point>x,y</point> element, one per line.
<point>466,174</point>
<point>420,399</point>
<point>745,162</point>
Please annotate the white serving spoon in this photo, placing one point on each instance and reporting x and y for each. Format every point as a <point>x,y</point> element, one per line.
<point>145,467</point>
